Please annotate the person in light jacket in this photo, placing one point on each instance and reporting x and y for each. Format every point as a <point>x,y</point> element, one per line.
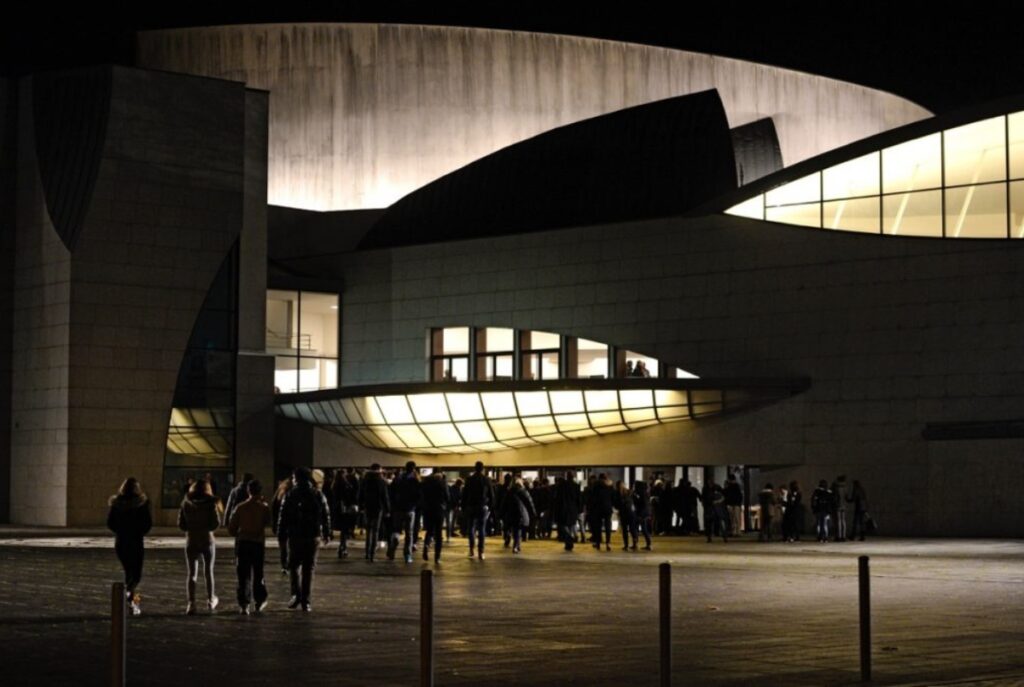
<point>198,517</point>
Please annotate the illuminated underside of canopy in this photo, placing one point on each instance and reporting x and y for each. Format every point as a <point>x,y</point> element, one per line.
<point>437,418</point>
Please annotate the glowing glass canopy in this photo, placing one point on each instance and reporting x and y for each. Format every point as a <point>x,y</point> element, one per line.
<point>471,417</point>
<point>961,182</point>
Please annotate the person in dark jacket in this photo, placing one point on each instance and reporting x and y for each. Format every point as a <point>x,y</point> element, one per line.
<point>198,517</point>
<point>716,517</point>
<point>642,507</point>
<point>622,499</point>
<point>734,503</point>
<point>793,520</point>
<point>477,502</point>
<point>130,519</point>
<point>500,493</point>
<point>766,500</point>
<point>454,515</point>
<point>600,506</point>
<point>517,512</point>
<point>859,498</point>
<point>305,521</point>
<point>406,491</point>
<point>345,507</point>
<point>569,505</point>
<point>821,506</point>
<point>436,504</point>
<point>275,515</point>
<point>840,497</point>
<point>237,495</point>
<point>375,502</point>
<point>689,497</point>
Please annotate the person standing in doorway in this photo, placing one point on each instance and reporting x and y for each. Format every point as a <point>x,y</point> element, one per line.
<point>477,502</point>
<point>198,517</point>
<point>305,521</point>
<point>130,519</point>
<point>248,525</point>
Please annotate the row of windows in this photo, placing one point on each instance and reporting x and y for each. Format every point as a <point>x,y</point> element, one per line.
<point>957,183</point>
<point>461,354</point>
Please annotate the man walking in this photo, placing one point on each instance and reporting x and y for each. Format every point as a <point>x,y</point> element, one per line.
<point>407,498</point>
<point>477,502</point>
<point>248,523</point>
<point>569,505</point>
<point>375,503</point>
<point>305,520</point>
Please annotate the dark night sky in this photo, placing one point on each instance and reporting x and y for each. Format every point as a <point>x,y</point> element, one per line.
<point>941,56</point>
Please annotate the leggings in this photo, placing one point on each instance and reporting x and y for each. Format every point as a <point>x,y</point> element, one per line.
<point>131,555</point>
<point>196,553</point>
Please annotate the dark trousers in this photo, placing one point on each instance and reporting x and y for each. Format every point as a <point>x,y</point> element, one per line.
<point>434,525</point>
<point>629,529</point>
<point>597,524</point>
<point>716,519</point>
<point>249,557</point>
<point>302,556</point>
<point>282,544</point>
<point>644,526</point>
<point>131,554</point>
<point>478,527</point>
<point>859,525</point>
<point>404,523</point>
<point>766,526</point>
<point>372,533</point>
<point>567,533</point>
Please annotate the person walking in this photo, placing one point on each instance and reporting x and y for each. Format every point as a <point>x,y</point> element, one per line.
<point>840,497</point>
<point>454,516</point>
<point>477,501</point>
<point>305,521</point>
<point>436,504</point>
<point>406,489</point>
<point>623,502</point>
<point>248,525</point>
<point>601,507</point>
<point>375,502</point>
<point>198,518</point>
<point>716,517</point>
<point>238,495</point>
<point>275,516</point>
<point>821,506</point>
<point>345,508</point>
<point>642,506</point>
<point>130,519</point>
<point>766,500</point>
<point>517,513</point>
<point>734,503</point>
<point>569,504</point>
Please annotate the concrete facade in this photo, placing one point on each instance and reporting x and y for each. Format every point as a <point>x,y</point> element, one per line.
<point>362,114</point>
<point>100,331</point>
<point>893,333</point>
<point>8,174</point>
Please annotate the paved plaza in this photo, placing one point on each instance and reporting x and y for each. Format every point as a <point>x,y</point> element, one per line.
<point>945,612</point>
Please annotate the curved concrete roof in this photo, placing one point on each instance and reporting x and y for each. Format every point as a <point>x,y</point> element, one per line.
<point>363,114</point>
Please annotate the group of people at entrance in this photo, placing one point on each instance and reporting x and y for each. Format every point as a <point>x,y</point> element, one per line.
<point>393,508</point>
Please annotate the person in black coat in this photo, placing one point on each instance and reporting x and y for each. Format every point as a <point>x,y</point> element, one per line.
<point>793,520</point>
<point>600,506</point>
<point>436,504</point>
<point>859,498</point>
<point>716,517</point>
<point>406,497</point>
<point>375,503</point>
<point>130,519</point>
<point>517,511</point>
<point>477,502</point>
<point>345,507</point>
<point>305,520</point>
<point>642,507</point>
<point>622,498</point>
<point>568,504</point>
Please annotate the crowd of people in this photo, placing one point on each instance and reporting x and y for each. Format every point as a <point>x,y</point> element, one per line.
<point>393,508</point>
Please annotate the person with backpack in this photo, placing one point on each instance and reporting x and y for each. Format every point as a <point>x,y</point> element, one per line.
<point>375,502</point>
<point>477,502</point>
<point>305,521</point>
<point>130,519</point>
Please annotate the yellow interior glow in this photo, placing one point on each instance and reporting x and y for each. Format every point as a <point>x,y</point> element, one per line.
<point>428,408</point>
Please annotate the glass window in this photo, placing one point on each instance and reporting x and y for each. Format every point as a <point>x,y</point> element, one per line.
<point>912,165</point>
<point>858,177</point>
<point>536,341</point>
<point>804,190</point>
<point>638,365</point>
<point>976,211</point>
<point>753,208</point>
<point>449,349</point>
<point>913,214</point>
<point>498,367</point>
<point>1015,122</point>
<point>540,365</point>
<point>1017,210</point>
<point>286,379</point>
<point>856,214</point>
<point>976,153</point>
<point>282,321</point>
<point>495,340</point>
<point>591,359</point>
<point>803,215</point>
<point>318,325</point>
<point>455,340</point>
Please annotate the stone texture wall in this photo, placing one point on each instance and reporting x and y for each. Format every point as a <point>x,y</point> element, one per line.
<point>893,333</point>
<point>8,204</point>
<point>362,114</point>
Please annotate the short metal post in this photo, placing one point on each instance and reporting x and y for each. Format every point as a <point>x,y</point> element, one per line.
<point>865,619</point>
<point>665,608</point>
<point>427,628</point>
<point>118,645</point>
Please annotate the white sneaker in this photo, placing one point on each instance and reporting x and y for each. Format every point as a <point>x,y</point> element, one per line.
<point>260,606</point>
<point>213,602</point>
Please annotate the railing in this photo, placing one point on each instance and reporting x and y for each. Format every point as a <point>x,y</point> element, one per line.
<point>303,342</point>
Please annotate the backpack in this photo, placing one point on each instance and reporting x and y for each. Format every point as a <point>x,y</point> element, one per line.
<point>306,513</point>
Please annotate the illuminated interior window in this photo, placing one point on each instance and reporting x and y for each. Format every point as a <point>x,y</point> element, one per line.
<point>591,359</point>
<point>540,355</point>
<point>302,334</point>
<point>957,183</point>
<point>449,354</point>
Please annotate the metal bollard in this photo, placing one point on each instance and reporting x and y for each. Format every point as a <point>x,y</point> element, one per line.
<point>865,619</point>
<point>118,644</point>
<point>665,608</point>
<point>427,628</point>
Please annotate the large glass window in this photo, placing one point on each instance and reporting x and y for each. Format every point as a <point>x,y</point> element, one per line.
<point>495,353</point>
<point>540,355</point>
<point>957,183</point>
<point>449,354</point>
<point>637,365</point>
<point>591,359</point>
<point>302,334</point>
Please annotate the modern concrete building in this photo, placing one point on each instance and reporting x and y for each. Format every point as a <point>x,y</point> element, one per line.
<point>476,244</point>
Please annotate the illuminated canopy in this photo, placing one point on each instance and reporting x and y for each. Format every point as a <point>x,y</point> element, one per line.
<point>496,416</point>
<point>952,177</point>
